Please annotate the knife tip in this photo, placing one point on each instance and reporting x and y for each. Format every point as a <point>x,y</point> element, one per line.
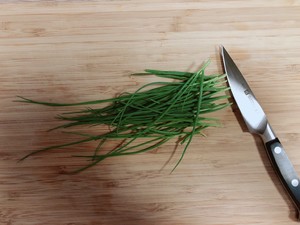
<point>222,49</point>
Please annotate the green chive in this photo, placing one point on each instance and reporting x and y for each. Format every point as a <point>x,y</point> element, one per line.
<point>146,119</point>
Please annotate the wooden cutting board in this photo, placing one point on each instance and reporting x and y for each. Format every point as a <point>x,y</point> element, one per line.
<point>85,50</point>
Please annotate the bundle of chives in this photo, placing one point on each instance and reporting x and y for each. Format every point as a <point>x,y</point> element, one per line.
<point>173,109</point>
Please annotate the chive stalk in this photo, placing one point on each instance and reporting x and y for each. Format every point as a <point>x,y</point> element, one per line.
<point>174,109</point>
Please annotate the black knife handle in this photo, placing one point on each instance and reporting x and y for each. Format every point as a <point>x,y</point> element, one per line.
<point>284,169</point>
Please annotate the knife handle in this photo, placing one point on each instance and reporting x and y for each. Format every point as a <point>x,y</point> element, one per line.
<point>285,170</point>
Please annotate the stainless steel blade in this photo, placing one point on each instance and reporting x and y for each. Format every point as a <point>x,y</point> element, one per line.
<point>252,112</point>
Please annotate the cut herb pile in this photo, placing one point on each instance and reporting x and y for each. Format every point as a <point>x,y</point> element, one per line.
<point>146,119</point>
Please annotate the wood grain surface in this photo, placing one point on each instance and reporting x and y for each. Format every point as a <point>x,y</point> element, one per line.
<point>71,51</point>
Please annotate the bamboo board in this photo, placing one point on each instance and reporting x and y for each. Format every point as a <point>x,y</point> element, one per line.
<point>85,50</point>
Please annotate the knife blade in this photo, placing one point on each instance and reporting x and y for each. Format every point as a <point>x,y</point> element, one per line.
<point>257,123</point>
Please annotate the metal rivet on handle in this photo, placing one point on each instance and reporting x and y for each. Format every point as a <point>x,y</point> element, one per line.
<point>295,182</point>
<point>277,150</point>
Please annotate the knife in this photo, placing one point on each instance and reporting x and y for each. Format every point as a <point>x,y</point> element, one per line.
<point>257,123</point>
